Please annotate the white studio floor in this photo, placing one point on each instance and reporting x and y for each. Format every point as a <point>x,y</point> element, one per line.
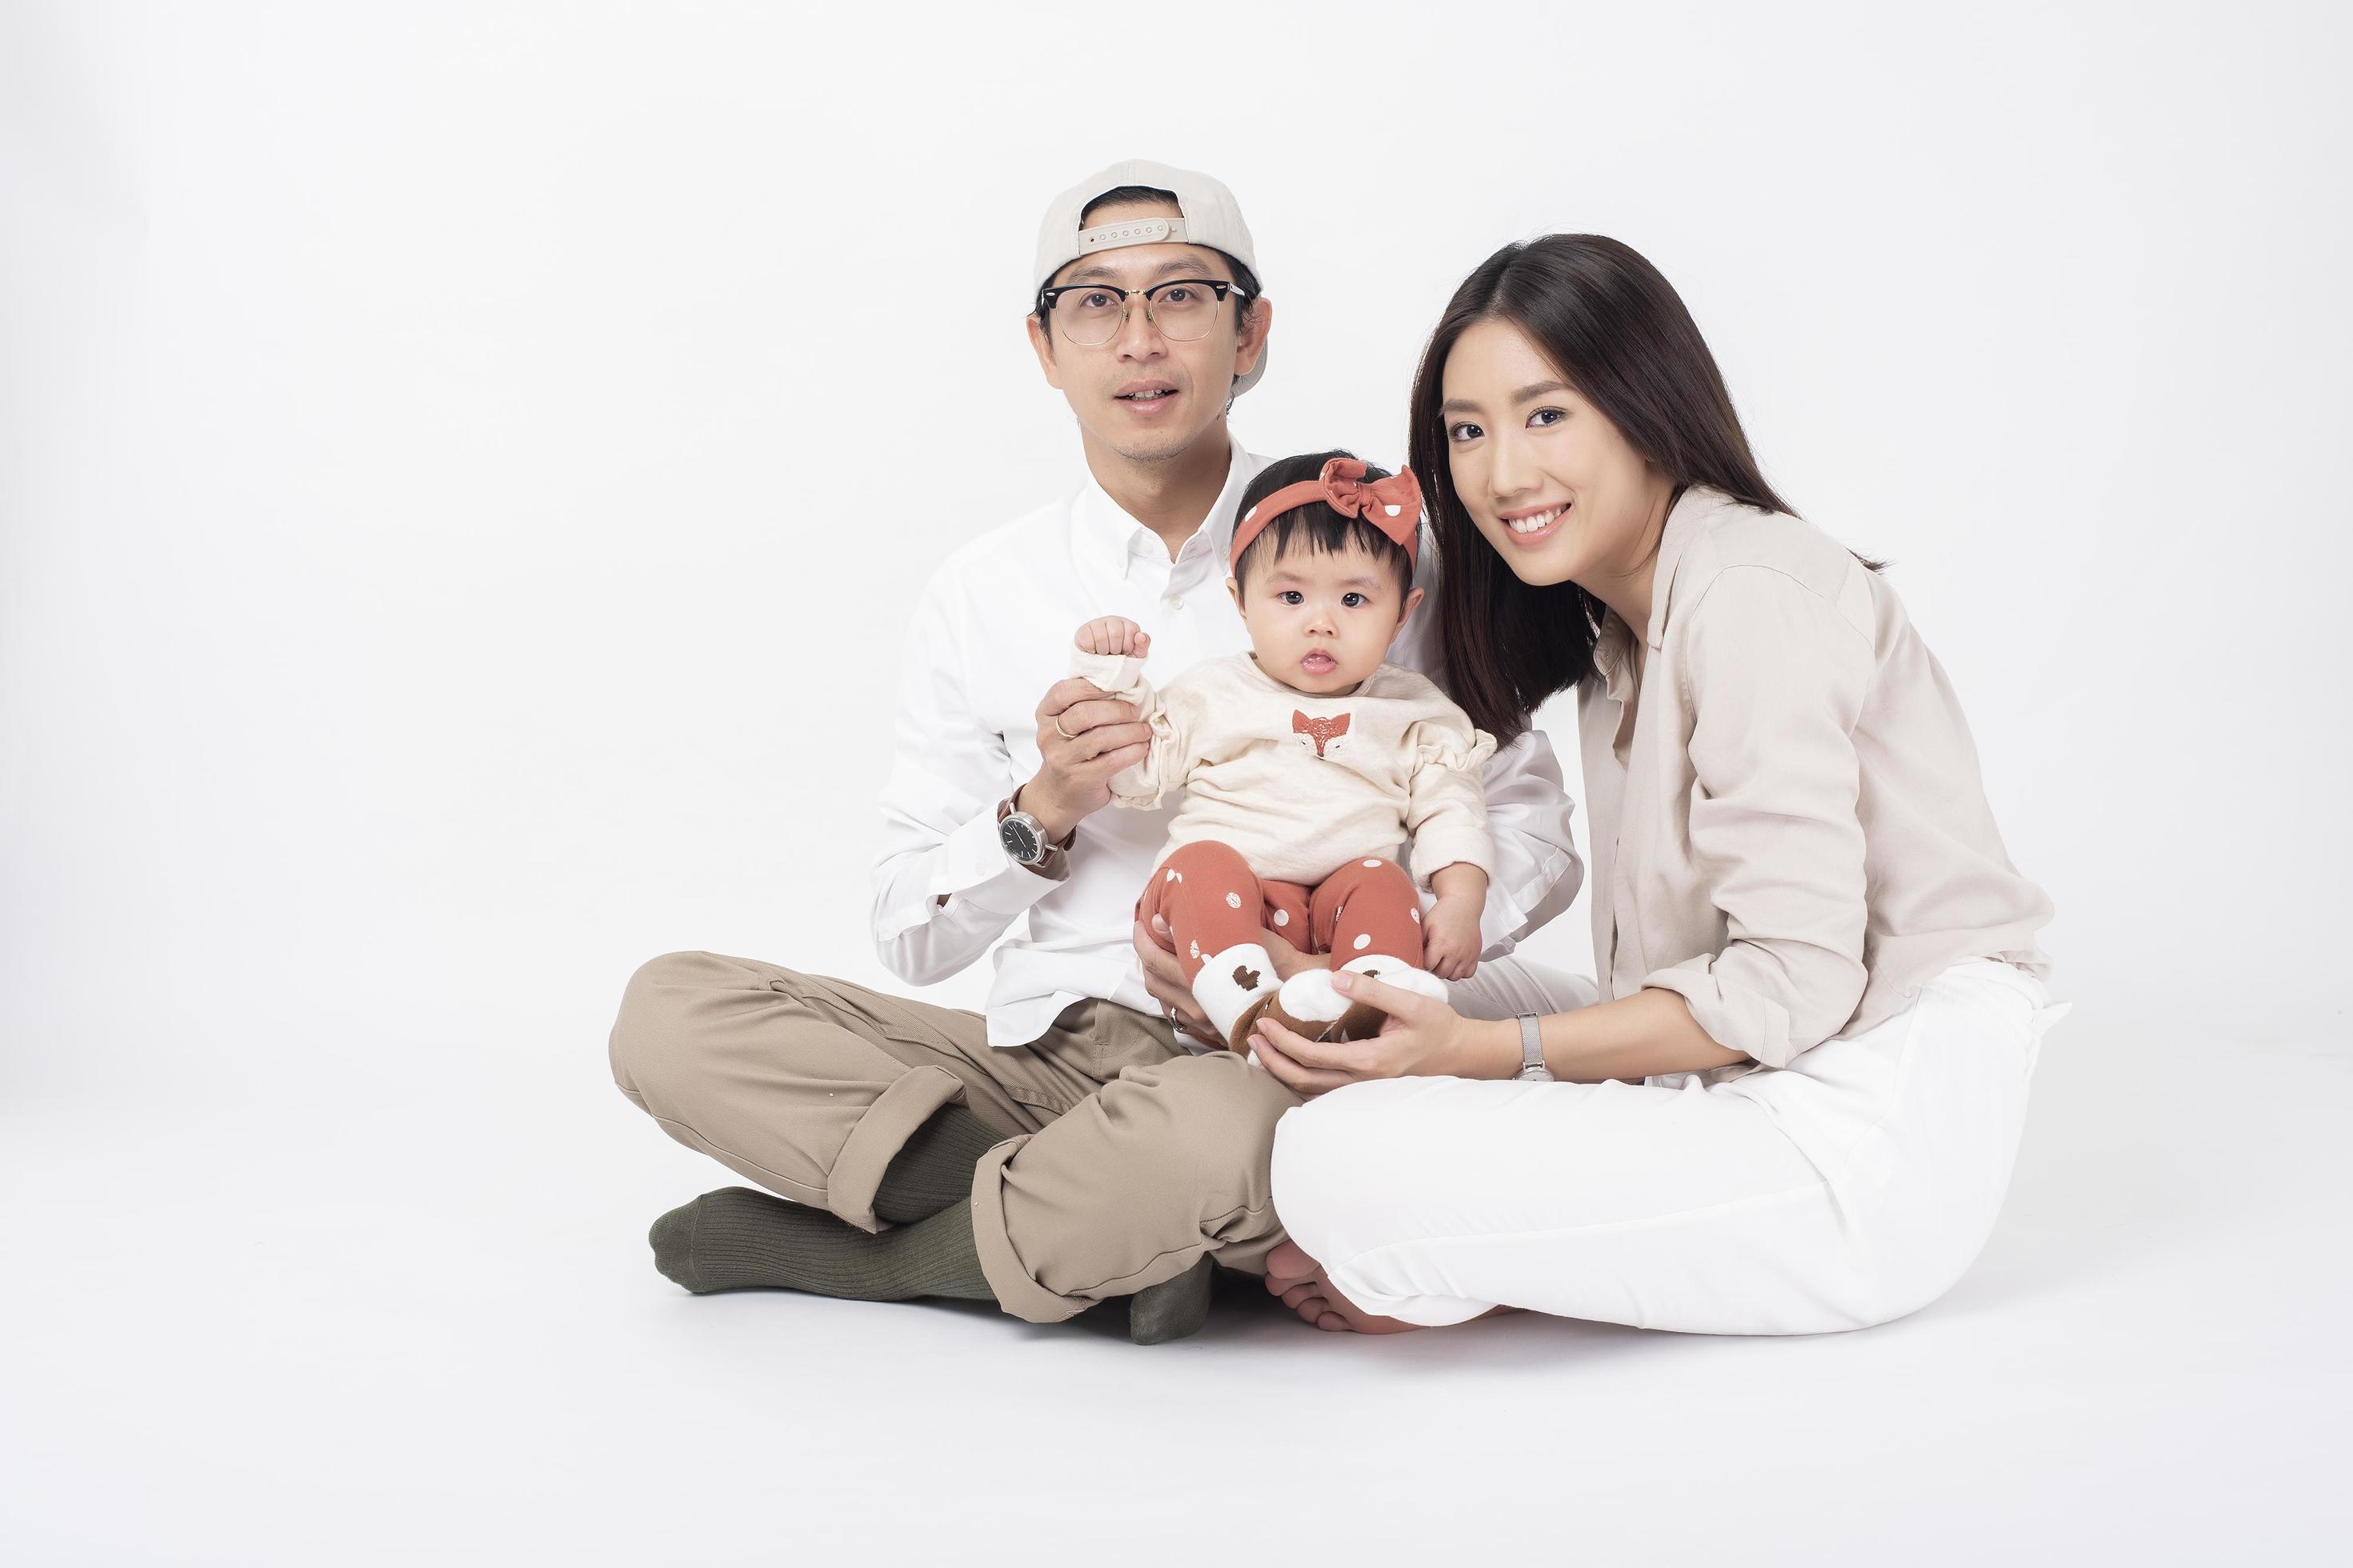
<point>423,1328</point>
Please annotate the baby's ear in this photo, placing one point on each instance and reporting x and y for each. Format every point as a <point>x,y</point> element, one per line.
<point>1234,587</point>
<point>1413,603</point>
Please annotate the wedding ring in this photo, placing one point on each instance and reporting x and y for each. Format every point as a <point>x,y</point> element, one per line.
<point>1059,730</point>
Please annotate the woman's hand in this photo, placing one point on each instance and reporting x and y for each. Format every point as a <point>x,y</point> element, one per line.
<point>1115,635</point>
<point>1450,938</point>
<point>1423,1038</point>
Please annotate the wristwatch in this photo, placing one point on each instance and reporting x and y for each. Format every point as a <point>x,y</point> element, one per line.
<point>1024,837</point>
<point>1532,1066</point>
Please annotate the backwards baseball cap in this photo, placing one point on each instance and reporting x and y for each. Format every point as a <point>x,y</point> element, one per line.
<point>1206,213</point>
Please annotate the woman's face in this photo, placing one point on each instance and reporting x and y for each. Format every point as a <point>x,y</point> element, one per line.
<point>1552,485</point>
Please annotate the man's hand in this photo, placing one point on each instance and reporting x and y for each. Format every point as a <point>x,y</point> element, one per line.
<point>1156,947</point>
<point>1085,737</point>
<point>1450,938</point>
<point>1288,960</point>
<point>1115,635</point>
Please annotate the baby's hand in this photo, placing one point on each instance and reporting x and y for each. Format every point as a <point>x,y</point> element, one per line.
<point>1115,635</point>
<point>1450,938</point>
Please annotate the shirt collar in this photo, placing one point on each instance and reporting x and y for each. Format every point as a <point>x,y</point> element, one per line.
<point>1686,521</point>
<point>1613,656</point>
<point>1613,648</point>
<point>1108,535</point>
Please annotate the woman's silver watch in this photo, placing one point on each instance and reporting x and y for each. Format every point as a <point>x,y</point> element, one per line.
<point>1532,1068</point>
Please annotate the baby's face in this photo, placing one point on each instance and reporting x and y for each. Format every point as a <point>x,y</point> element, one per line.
<point>1321,623</point>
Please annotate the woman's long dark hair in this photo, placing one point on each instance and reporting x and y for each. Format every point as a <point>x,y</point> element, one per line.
<point>1616,331</point>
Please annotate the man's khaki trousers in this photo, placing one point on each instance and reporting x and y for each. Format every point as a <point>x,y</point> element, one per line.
<point>1124,1158</point>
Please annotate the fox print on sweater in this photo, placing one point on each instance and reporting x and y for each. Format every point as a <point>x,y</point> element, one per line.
<point>1301,783</point>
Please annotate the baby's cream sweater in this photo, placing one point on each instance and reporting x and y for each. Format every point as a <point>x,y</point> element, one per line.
<point>1303,785</point>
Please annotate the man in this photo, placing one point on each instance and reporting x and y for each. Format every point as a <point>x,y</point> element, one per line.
<point>1070,1145</point>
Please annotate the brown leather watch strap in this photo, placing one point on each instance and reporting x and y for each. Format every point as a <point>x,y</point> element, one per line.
<point>1007,807</point>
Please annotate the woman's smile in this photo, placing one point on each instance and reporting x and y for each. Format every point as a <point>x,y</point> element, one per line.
<point>1533,524</point>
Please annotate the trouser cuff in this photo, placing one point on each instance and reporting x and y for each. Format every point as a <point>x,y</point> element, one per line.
<point>1008,1277</point>
<point>880,1134</point>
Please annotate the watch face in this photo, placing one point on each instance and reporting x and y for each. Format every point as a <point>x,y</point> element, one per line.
<point>1020,841</point>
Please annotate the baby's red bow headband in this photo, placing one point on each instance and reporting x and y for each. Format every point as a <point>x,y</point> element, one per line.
<point>1393,505</point>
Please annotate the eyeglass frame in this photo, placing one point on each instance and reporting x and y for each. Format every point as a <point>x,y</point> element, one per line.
<point>1052,295</point>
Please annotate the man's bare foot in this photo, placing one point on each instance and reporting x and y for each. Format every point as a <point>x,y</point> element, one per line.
<point>1299,1280</point>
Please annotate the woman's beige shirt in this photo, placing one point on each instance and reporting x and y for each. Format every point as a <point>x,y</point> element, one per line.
<point>1789,829</point>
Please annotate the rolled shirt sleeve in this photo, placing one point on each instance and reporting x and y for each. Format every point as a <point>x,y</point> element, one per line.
<point>943,887</point>
<point>1777,681</point>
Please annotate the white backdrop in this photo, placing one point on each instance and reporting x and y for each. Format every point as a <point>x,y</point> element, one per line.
<point>464,468</point>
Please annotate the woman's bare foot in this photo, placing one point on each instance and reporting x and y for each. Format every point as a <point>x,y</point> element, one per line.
<point>1299,1280</point>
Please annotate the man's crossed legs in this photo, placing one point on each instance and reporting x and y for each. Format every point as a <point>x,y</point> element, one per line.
<point>1101,1160</point>
<point>1098,1161</point>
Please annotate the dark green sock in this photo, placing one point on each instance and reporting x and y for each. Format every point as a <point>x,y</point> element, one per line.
<point>739,1239</point>
<point>933,1168</point>
<point>1173,1308</point>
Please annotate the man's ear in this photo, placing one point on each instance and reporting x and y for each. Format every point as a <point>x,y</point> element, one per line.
<point>1252,341</point>
<point>1043,347</point>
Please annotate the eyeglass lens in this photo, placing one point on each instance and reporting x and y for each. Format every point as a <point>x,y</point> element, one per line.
<point>1182,310</point>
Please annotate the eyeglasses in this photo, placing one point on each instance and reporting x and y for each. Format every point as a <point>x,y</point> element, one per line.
<point>1091,315</point>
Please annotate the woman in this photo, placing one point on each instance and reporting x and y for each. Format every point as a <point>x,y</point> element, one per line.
<point>1799,1111</point>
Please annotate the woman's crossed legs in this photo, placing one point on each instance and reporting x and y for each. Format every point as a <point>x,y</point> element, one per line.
<point>1853,1187</point>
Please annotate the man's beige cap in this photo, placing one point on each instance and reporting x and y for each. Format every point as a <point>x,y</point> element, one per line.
<point>1206,213</point>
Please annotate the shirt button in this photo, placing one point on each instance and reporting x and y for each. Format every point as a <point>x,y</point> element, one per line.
<point>1172,603</point>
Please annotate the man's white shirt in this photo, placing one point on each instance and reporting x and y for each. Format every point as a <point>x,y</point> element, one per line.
<point>992,632</point>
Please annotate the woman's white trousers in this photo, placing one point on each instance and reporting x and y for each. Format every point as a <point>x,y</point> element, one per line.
<point>1851,1188</point>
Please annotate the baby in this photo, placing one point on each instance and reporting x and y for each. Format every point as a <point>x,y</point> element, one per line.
<point>1306,762</point>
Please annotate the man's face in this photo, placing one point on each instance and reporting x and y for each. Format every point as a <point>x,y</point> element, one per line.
<point>1142,396</point>
<point>1320,623</point>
